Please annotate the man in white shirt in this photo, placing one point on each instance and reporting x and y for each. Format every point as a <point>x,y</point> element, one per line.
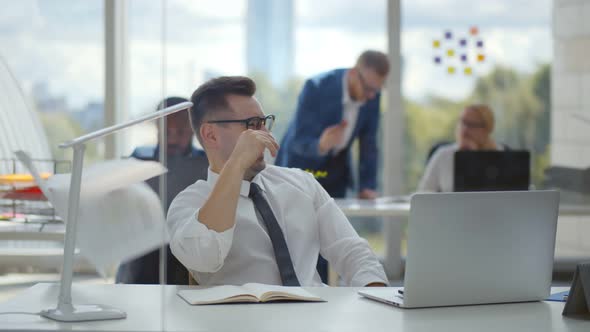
<point>250,222</point>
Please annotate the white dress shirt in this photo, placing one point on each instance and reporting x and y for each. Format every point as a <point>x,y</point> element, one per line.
<point>350,113</point>
<point>309,218</point>
<point>439,174</point>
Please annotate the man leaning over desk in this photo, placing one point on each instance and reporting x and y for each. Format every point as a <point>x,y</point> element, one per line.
<point>252,222</point>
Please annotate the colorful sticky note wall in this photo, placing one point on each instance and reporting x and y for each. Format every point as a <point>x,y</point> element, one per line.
<point>459,52</point>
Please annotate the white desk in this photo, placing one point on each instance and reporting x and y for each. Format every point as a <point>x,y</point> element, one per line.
<point>396,213</point>
<point>34,244</point>
<point>344,311</point>
<point>31,244</point>
<point>385,207</point>
<point>32,231</point>
<point>574,210</point>
<point>382,207</point>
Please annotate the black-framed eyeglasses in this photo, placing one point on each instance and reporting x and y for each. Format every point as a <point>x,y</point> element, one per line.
<point>255,122</point>
<point>472,125</point>
<point>368,89</point>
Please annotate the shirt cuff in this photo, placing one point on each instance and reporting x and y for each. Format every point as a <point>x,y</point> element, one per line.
<point>364,278</point>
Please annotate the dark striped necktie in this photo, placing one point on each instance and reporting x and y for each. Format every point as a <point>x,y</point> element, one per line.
<point>277,238</point>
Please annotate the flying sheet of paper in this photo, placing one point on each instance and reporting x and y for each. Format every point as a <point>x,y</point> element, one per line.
<point>120,217</point>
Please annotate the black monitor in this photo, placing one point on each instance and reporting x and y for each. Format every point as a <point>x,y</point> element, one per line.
<point>492,170</point>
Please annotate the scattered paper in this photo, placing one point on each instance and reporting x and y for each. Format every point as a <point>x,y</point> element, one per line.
<point>119,217</point>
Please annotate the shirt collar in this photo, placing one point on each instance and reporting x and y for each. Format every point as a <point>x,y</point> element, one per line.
<point>245,185</point>
<point>346,99</point>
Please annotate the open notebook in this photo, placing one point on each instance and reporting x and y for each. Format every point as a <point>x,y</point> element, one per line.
<point>246,293</point>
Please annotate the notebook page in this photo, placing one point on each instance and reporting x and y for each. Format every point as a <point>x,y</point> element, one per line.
<point>215,294</point>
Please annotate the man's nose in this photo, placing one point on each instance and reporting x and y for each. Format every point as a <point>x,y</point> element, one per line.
<point>172,139</point>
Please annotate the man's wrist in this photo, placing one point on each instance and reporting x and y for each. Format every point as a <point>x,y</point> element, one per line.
<point>322,150</point>
<point>234,165</point>
<point>368,193</point>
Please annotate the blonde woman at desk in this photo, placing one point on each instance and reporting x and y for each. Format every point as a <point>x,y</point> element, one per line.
<point>473,132</point>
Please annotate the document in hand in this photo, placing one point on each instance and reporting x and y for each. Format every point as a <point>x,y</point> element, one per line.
<point>246,293</point>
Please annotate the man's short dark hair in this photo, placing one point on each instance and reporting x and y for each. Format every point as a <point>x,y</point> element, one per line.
<point>170,101</point>
<point>375,60</point>
<point>211,97</point>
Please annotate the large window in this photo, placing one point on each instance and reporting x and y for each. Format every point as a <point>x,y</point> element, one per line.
<point>277,43</point>
<point>188,42</point>
<point>52,67</point>
<point>55,51</point>
<point>455,53</point>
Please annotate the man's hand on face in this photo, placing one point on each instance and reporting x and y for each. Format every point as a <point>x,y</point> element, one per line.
<point>250,147</point>
<point>332,136</point>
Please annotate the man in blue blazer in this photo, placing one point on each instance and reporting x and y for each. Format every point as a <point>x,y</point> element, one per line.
<point>333,109</point>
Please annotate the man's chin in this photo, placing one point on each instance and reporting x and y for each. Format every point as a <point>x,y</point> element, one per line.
<point>258,167</point>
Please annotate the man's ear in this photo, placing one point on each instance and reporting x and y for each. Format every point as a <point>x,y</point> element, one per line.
<point>209,136</point>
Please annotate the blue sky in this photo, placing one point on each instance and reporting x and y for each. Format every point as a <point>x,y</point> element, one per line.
<point>61,41</point>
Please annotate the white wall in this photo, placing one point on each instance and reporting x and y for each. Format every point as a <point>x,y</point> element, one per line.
<point>570,94</point>
<point>570,88</point>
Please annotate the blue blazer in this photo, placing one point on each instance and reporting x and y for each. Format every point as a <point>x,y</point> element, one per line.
<point>320,106</point>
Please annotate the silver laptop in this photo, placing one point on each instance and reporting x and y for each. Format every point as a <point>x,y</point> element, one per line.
<point>476,248</point>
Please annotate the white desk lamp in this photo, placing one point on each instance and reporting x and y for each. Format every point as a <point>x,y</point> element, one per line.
<point>66,311</point>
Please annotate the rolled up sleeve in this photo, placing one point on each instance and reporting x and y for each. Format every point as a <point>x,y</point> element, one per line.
<point>197,247</point>
<point>349,254</point>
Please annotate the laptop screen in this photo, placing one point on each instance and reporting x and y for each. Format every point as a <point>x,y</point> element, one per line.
<point>491,170</point>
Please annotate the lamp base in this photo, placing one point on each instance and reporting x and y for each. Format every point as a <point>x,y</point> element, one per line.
<point>84,312</point>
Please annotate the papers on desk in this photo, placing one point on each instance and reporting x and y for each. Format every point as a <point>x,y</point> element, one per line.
<point>248,293</point>
<point>558,297</point>
<point>120,217</point>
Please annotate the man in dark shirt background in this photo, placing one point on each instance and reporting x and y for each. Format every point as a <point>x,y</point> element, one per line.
<point>186,164</point>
